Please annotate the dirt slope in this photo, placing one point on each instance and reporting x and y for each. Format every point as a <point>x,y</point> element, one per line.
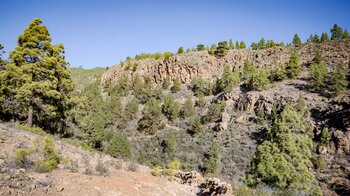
<point>87,179</point>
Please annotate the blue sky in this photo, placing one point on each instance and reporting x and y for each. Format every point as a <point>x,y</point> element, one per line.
<point>102,32</point>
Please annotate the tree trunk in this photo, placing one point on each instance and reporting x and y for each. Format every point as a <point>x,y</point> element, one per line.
<point>30,114</point>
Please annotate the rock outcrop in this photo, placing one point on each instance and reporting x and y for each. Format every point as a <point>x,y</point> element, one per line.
<point>194,64</point>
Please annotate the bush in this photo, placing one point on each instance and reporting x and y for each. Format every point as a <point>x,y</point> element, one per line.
<point>33,129</point>
<point>261,115</point>
<point>156,170</point>
<point>119,146</point>
<point>324,137</point>
<point>198,86</point>
<point>169,142</point>
<point>211,164</point>
<point>214,112</point>
<point>22,157</point>
<point>319,162</point>
<point>51,157</point>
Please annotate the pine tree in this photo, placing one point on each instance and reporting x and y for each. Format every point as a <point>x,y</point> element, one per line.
<point>187,108</point>
<point>200,47</point>
<point>180,50</point>
<point>176,86</point>
<point>324,37</point>
<point>196,125</point>
<point>310,39</point>
<point>293,68</point>
<point>237,45</point>
<point>261,44</point>
<point>46,85</point>
<point>339,82</point>
<point>231,46</point>
<point>345,34</point>
<point>242,45</point>
<point>337,32</point>
<point>222,49</point>
<point>318,76</point>
<point>166,83</point>
<point>316,39</point>
<point>227,80</point>
<point>317,58</point>
<point>152,113</point>
<point>254,46</point>
<point>296,40</point>
<point>171,108</point>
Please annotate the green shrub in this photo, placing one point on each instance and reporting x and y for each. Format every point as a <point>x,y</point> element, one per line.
<point>119,146</point>
<point>324,137</point>
<point>22,157</point>
<point>169,142</point>
<point>166,83</point>
<point>319,162</point>
<point>174,165</point>
<point>211,164</point>
<point>214,112</point>
<point>261,115</point>
<point>51,157</point>
<point>156,170</point>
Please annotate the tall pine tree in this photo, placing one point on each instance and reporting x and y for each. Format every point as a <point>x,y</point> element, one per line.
<point>45,83</point>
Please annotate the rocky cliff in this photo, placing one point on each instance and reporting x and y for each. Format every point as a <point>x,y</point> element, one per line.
<point>201,64</point>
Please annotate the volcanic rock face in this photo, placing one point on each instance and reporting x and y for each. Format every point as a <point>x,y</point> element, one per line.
<point>201,64</point>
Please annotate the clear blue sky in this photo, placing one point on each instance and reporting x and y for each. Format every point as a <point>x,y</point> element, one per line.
<point>101,32</point>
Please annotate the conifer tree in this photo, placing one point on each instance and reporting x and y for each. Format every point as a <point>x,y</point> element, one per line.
<point>187,108</point>
<point>261,44</point>
<point>180,50</point>
<point>345,34</point>
<point>254,46</point>
<point>339,82</point>
<point>296,40</point>
<point>227,80</point>
<point>176,86</point>
<point>242,45</point>
<point>222,49</point>
<point>46,85</point>
<point>150,121</point>
<point>318,76</point>
<point>324,37</point>
<point>231,46</point>
<point>200,47</point>
<point>166,83</point>
<point>293,68</point>
<point>337,32</point>
<point>237,45</point>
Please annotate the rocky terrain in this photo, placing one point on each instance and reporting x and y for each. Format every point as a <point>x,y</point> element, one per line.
<point>237,132</point>
<point>90,173</point>
<point>201,64</point>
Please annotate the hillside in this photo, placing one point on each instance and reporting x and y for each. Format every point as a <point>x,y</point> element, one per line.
<point>92,173</point>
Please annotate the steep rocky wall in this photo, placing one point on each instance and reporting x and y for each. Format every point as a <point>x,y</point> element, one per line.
<point>190,65</point>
